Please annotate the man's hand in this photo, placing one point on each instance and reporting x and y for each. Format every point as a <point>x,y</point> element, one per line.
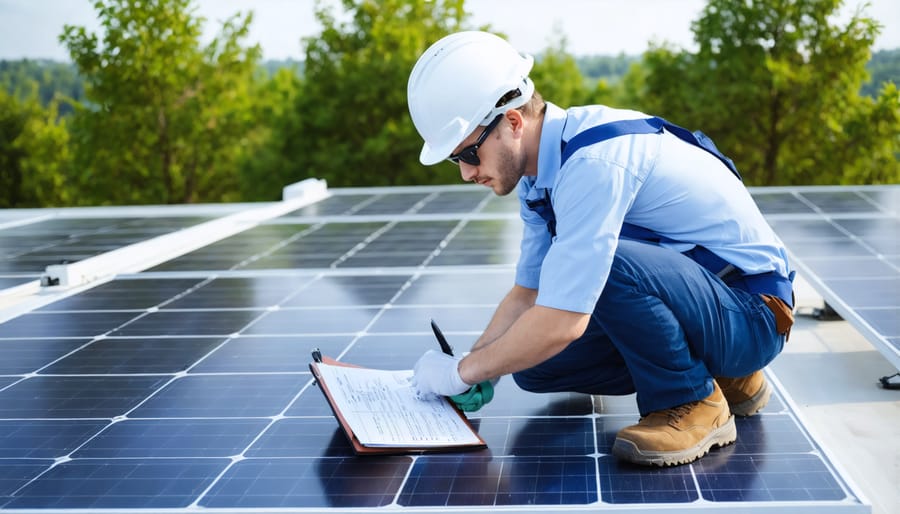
<point>436,374</point>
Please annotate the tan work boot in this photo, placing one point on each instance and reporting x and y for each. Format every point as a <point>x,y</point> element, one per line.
<point>678,435</point>
<point>746,395</point>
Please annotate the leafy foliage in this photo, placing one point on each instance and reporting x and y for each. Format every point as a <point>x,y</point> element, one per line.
<point>350,123</point>
<point>884,66</point>
<point>149,114</point>
<point>266,170</point>
<point>776,85</point>
<point>54,81</point>
<point>557,76</point>
<point>34,157</point>
<point>167,120</point>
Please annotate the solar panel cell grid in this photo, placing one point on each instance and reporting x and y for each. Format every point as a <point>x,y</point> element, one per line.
<point>232,252</point>
<point>15,473</point>
<point>34,246</point>
<point>622,483</point>
<point>21,356</point>
<point>454,202</point>
<point>128,356</point>
<point>189,323</point>
<point>223,396</point>
<point>76,397</point>
<point>132,483</point>
<point>838,202</point>
<point>132,294</point>
<point>543,449</point>
<point>389,203</point>
<point>44,439</point>
<point>165,438</point>
<point>317,483</point>
<point>848,248</point>
<point>249,354</point>
<point>193,391</point>
<point>238,292</point>
<point>345,204</point>
<point>55,325</point>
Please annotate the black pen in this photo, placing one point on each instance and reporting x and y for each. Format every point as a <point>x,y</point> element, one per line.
<point>445,346</point>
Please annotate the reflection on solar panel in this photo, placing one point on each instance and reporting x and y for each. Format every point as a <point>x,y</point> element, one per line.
<point>845,242</point>
<point>34,246</point>
<point>11,280</point>
<point>187,386</point>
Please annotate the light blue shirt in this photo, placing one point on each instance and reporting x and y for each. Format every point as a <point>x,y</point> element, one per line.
<point>655,181</point>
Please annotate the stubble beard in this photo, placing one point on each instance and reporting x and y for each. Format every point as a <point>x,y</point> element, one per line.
<point>510,170</point>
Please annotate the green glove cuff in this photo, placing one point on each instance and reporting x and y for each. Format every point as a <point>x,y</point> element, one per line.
<point>475,398</point>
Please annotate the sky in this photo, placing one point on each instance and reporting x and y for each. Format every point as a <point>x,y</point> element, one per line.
<point>31,28</point>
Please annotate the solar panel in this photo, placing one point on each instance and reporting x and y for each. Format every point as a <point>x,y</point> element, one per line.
<point>446,226</point>
<point>10,281</point>
<point>30,242</point>
<point>844,241</point>
<point>34,246</point>
<point>186,387</point>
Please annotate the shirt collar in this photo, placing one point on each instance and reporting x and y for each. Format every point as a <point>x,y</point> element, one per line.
<point>550,153</point>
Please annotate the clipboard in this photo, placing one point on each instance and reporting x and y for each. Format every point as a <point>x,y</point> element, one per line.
<point>362,449</point>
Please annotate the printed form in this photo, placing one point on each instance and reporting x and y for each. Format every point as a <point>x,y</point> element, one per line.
<point>382,409</point>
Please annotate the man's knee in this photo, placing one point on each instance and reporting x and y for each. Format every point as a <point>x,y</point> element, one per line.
<point>531,381</point>
<point>615,381</point>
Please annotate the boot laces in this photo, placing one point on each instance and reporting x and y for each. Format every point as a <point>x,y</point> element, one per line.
<point>676,413</point>
<point>671,415</point>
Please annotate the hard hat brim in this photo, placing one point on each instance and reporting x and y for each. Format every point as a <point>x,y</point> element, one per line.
<point>428,156</point>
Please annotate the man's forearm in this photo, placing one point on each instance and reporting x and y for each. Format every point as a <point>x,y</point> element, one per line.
<point>536,335</point>
<point>518,300</point>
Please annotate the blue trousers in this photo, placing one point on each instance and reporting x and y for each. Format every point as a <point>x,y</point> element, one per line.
<point>663,327</point>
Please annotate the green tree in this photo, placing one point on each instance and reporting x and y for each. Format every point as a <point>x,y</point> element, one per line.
<point>776,84</point>
<point>884,66</point>
<point>166,119</point>
<point>34,157</point>
<point>54,80</point>
<point>264,172</point>
<point>606,67</point>
<point>557,77</point>
<point>350,124</point>
<point>631,90</point>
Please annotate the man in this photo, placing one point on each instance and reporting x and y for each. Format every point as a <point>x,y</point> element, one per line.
<point>645,265</point>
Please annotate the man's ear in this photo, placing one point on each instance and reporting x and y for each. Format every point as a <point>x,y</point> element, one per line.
<point>516,121</point>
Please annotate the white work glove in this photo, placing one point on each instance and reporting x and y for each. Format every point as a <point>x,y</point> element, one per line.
<point>436,374</point>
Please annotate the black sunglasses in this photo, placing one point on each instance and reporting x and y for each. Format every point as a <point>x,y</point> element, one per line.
<point>469,154</point>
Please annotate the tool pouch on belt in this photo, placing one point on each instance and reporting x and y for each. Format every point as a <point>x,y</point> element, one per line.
<point>784,315</point>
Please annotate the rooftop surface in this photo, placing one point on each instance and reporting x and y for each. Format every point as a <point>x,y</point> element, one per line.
<point>167,367</point>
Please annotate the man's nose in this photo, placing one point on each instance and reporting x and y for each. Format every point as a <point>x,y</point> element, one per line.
<point>467,171</point>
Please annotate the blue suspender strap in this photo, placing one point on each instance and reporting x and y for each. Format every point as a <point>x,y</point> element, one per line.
<point>770,283</point>
<point>643,126</point>
<point>608,131</point>
<point>700,139</point>
<point>543,208</point>
<point>715,264</point>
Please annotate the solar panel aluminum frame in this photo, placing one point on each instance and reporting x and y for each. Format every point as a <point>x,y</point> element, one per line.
<point>890,210</point>
<point>140,256</point>
<point>832,299</point>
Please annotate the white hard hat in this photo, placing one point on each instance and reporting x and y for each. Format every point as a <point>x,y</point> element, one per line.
<point>456,84</point>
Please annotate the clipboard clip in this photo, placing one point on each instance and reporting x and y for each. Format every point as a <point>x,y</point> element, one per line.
<point>317,355</point>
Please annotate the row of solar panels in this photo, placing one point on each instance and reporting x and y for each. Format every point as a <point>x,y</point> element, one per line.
<point>185,386</point>
<point>843,239</point>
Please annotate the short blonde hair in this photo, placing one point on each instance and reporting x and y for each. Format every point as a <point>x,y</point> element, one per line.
<point>534,107</point>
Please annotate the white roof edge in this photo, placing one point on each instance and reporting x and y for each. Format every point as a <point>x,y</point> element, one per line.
<point>145,254</point>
